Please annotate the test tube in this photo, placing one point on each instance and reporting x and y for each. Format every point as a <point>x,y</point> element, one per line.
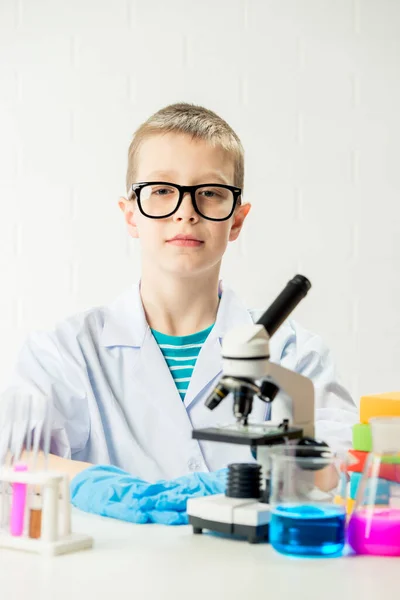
<point>50,512</point>
<point>6,420</point>
<point>35,516</point>
<point>20,423</point>
<point>65,495</point>
<point>18,503</point>
<point>41,430</point>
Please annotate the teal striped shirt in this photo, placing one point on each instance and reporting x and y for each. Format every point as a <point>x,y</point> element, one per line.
<point>180,353</point>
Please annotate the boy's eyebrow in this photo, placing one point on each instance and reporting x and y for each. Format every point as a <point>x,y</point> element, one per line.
<point>171,176</point>
<point>214,176</point>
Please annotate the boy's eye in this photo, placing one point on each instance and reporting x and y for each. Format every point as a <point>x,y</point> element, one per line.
<point>162,191</point>
<point>157,192</point>
<point>212,193</point>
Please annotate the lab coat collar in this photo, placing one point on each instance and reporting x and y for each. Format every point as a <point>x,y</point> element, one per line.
<point>231,312</point>
<point>125,321</point>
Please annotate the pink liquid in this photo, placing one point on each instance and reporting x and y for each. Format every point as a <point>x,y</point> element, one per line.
<point>375,533</point>
<point>18,504</point>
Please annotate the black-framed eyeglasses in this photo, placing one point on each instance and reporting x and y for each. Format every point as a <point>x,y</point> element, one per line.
<point>161,199</point>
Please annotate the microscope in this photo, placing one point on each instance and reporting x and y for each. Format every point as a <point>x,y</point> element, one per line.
<point>247,372</point>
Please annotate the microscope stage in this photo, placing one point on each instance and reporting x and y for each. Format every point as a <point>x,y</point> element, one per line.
<point>254,434</point>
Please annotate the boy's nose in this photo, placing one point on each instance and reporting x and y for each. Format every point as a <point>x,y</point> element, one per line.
<point>186,210</point>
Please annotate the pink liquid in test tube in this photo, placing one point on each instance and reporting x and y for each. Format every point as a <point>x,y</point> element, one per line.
<point>18,504</point>
<point>378,534</point>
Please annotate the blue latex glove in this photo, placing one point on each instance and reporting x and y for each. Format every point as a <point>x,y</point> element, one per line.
<point>111,492</point>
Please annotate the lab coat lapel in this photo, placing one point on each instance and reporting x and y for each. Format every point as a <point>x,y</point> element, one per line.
<point>207,369</point>
<point>171,425</point>
<point>126,325</point>
<point>162,390</point>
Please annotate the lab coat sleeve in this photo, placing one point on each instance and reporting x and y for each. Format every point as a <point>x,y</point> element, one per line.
<point>41,368</point>
<point>335,410</point>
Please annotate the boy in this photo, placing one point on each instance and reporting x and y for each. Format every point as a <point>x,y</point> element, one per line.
<point>129,380</point>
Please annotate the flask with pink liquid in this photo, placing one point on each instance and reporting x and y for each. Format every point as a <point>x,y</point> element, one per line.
<point>374,526</point>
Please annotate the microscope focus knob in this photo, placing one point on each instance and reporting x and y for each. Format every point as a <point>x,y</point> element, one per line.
<point>244,481</point>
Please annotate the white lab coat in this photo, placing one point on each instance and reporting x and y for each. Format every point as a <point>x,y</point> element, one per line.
<point>115,400</point>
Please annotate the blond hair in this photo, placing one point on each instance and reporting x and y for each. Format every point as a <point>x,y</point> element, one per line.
<point>196,121</point>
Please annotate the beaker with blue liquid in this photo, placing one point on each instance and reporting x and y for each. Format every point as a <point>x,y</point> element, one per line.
<point>308,501</point>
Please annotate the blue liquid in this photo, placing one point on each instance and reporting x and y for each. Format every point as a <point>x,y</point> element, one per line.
<point>308,530</point>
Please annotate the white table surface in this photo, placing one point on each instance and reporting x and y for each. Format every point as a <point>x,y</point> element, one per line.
<point>151,561</point>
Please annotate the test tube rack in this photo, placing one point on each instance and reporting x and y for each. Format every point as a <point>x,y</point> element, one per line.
<point>55,535</point>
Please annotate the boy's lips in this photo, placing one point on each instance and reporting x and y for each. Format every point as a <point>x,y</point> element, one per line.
<point>185,240</point>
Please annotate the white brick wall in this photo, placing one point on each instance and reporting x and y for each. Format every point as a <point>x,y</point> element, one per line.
<point>313,89</point>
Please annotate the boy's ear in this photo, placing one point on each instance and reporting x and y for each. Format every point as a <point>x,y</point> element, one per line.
<point>238,220</point>
<point>128,208</point>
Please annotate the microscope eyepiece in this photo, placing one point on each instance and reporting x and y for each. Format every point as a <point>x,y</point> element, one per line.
<point>285,303</point>
<point>219,393</point>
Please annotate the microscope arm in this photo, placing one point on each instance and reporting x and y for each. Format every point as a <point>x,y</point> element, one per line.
<point>301,391</point>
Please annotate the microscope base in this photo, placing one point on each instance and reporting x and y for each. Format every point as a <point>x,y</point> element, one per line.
<point>241,517</point>
<point>253,534</point>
